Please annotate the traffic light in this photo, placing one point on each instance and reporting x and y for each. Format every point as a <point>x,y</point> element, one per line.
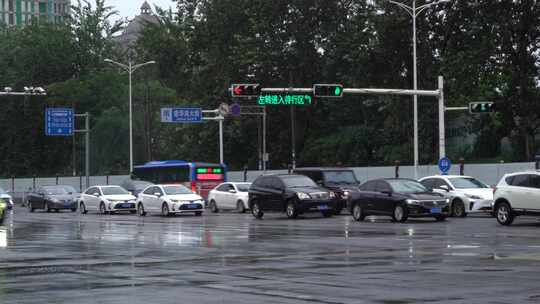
<point>246,90</point>
<point>481,107</point>
<point>328,90</point>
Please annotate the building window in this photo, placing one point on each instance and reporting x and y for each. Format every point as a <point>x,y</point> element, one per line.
<point>42,8</point>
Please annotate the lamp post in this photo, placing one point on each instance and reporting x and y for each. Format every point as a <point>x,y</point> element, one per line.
<point>28,91</point>
<point>130,68</point>
<point>414,11</point>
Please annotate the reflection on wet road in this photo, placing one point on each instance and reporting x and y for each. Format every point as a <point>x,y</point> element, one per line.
<point>233,258</point>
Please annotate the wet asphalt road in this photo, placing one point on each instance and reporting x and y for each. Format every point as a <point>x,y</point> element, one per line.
<point>233,258</point>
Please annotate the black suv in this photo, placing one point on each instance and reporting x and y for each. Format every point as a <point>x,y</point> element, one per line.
<point>342,181</point>
<point>289,193</point>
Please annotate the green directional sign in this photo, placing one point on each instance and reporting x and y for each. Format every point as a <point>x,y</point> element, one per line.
<point>285,100</point>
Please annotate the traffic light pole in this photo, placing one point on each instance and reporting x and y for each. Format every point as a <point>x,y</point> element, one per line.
<point>219,119</point>
<point>86,132</point>
<point>439,93</point>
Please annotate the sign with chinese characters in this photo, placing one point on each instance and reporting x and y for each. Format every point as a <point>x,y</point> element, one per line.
<point>181,115</point>
<point>59,122</point>
<point>285,100</point>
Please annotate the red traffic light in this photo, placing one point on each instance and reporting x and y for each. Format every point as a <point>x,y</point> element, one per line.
<point>246,90</point>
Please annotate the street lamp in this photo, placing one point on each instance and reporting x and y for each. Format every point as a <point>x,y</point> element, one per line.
<point>414,11</point>
<point>130,68</point>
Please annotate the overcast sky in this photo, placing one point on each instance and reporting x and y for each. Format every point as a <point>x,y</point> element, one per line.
<point>131,8</point>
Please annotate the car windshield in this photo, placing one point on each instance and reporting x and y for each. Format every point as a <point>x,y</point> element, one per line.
<point>298,181</point>
<point>56,190</point>
<point>113,191</point>
<point>176,189</point>
<point>407,186</point>
<point>340,177</point>
<point>243,187</point>
<point>69,189</point>
<point>467,183</point>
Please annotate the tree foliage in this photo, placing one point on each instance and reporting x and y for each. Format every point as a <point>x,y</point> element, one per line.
<point>486,50</point>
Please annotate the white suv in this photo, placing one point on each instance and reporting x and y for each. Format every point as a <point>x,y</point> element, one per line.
<point>466,194</point>
<point>517,194</point>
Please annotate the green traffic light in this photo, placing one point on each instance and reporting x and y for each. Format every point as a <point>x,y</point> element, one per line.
<point>337,91</point>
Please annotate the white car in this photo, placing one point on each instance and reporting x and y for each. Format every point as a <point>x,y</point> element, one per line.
<point>168,200</point>
<point>517,194</point>
<point>466,194</point>
<point>7,198</point>
<point>229,196</point>
<point>107,199</point>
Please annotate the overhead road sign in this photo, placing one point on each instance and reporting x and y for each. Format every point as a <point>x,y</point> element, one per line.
<point>285,100</point>
<point>181,115</point>
<point>59,122</point>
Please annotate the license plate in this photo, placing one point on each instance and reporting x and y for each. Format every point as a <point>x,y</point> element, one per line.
<point>126,205</point>
<point>436,210</point>
<point>192,206</point>
<point>323,207</point>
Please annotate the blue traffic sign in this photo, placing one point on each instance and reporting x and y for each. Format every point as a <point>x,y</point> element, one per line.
<point>181,115</point>
<point>445,164</point>
<point>59,121</point>
<point>236,109</point>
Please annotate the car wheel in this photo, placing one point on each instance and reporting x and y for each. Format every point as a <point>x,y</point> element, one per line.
<point>358,213</point>
<point>256,210</point>
<point>458,209</point>
<point>165,210</point>
<point>213,206</point>
<point>56,210</point>
<point>47,207</point>
<point>198,213</point>
<point>400,214</point>
<point>240,207</point>
<point>102,209</point>
<point>504,214</point>
<point>82,208</point>
<point>30,207</point>
<point>291,210</point>
<point>440,218</point>
<point>73,209</point>
<point>140,210</point>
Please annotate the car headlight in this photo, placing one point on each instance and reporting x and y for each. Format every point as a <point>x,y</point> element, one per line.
<point>346,194</point>
<point>303,196</point>
<point>448,201</point>
<point>332,194</point>
<point>472,196</point>
<point>411,202</point>
<point>55,200</point>
<point>174,201</point>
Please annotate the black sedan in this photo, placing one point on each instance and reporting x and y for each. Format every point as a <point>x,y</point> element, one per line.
<point>54,198</point>
<point>398,198</point>
<point>289,193</point>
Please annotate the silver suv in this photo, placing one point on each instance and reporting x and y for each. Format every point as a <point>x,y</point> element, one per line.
<point>517,194</point>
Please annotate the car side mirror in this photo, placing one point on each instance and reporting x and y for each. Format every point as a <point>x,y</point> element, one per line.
<point>445,188</point>
<point>95,194</point>
<point>232,191</point>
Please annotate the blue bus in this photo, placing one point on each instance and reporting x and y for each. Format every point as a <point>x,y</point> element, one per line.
<point>200,177</point>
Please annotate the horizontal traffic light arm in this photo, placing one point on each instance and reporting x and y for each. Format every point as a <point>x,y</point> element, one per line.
<point>354,91</point>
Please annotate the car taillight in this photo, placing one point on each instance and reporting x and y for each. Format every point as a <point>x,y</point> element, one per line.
<point>194,187</point>
<point>494,190</point>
